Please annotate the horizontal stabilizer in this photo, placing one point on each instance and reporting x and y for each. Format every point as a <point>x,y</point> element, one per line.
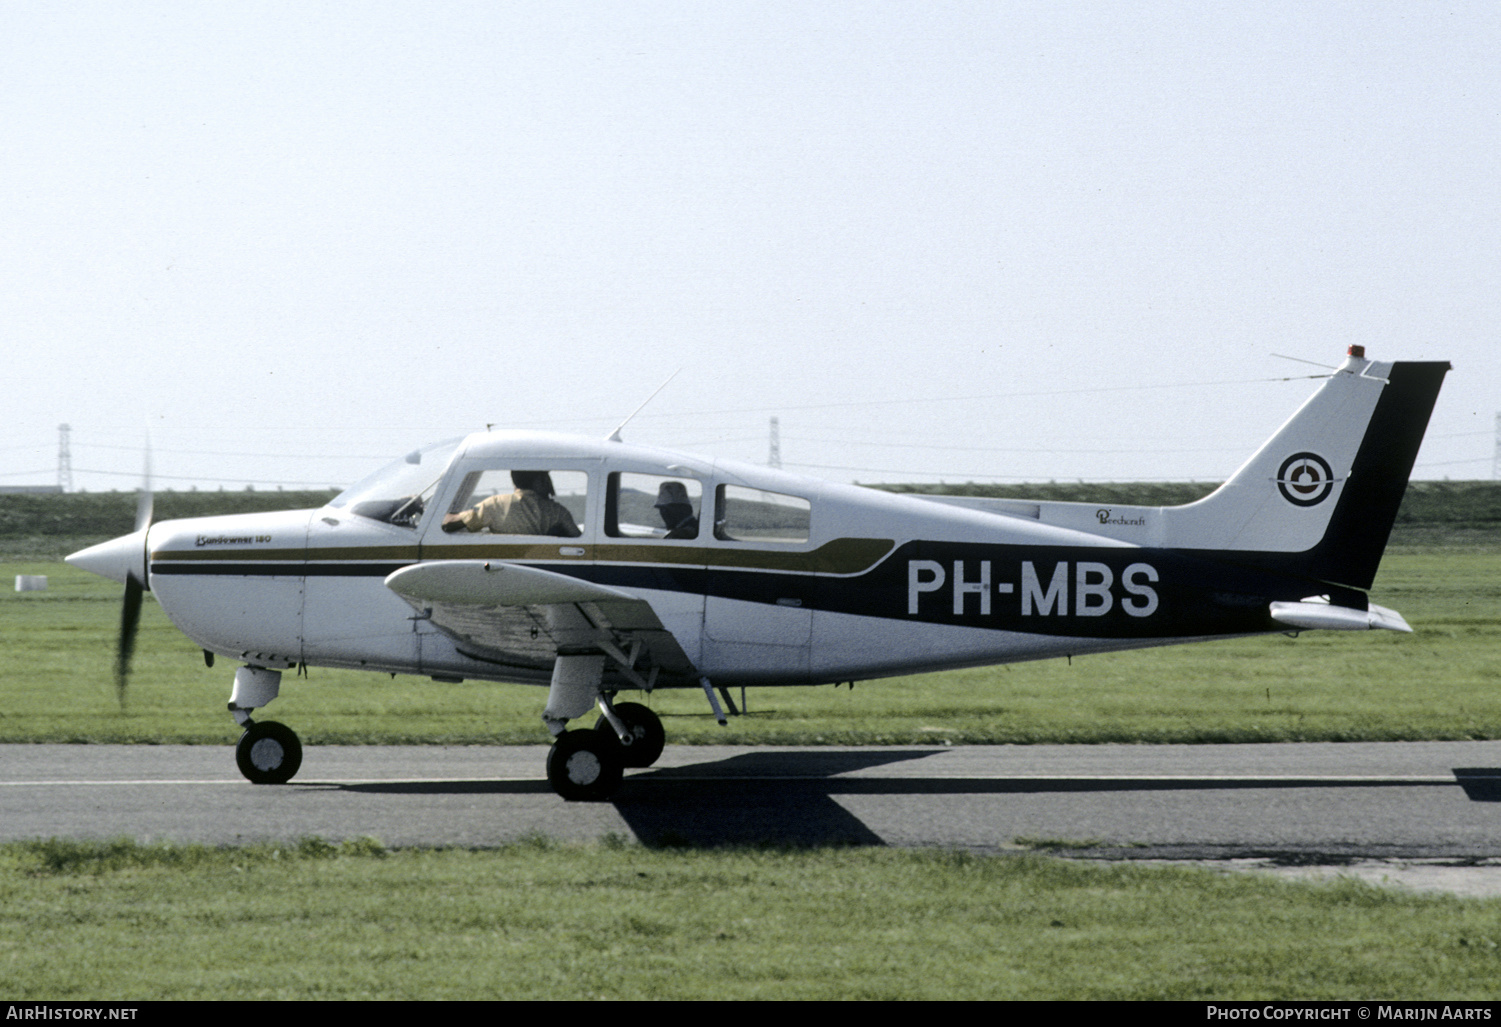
<point>1314,614</point>
<point>495,583</point>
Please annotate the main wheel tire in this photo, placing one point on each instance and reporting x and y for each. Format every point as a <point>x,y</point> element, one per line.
<point>582,766</point>
<point>648,737</point>
<point>269,753</point>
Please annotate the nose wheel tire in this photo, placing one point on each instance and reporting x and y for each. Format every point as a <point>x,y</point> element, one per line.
<point>584,766</point>
<point>648,737</point>
<point>268,753</point>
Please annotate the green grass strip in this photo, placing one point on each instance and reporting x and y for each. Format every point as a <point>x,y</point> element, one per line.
<point>538,920</point>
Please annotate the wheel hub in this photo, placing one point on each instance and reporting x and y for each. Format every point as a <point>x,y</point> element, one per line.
<point>266,754</point>
<point>583,768</point>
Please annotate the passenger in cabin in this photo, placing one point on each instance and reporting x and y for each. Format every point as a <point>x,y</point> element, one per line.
<point>676,510</point>
<point>530,510</point>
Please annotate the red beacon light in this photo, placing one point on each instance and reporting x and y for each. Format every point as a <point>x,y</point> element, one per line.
<point>1356,351</point>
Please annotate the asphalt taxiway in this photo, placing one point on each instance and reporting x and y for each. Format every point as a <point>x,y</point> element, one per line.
<point>1289,804</point>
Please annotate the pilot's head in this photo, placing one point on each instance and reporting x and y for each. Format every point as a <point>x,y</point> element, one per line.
<point>672,493</point>
<point>533,481</point>
<point>673,503</point>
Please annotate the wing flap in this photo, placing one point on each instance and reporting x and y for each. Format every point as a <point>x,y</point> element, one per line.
<point>520,616</point>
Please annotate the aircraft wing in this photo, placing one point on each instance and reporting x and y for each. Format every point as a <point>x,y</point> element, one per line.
<point>523,617</point>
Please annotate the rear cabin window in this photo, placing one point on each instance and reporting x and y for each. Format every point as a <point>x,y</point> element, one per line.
<point>751,515</point>
<point>652,506</point>
<point>520,502</point>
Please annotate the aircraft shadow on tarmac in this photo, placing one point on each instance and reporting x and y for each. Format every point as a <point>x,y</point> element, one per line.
<point>782,798</point>
<point>1481,784</point>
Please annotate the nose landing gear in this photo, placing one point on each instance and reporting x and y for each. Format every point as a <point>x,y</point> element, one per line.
<point>267,753</point>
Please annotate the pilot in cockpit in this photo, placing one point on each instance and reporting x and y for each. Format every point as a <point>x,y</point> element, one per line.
<point>530,510</point>
<point>676,510</point>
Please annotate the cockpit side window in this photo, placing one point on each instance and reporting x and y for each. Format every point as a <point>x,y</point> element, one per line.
<point>653,506</point>
<point>520,501</point>
<point>753,515</point>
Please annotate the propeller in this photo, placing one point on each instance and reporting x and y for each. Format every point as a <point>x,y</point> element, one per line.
<point>130,609</point>
<point>124,559</point>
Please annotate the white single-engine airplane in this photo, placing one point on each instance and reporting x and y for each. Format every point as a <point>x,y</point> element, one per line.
<point>593,567</point>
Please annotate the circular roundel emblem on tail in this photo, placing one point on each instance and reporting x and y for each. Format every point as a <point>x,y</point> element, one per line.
<point>1305,479</point>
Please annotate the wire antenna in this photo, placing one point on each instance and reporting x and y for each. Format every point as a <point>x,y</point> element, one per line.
<point>1300,360</point>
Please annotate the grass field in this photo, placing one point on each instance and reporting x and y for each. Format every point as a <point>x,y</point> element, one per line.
<point>123,921</point>
<point>616,921</point>
<point>1443,682</point>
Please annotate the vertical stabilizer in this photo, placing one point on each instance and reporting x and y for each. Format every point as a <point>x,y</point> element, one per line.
<point>1320,497</point>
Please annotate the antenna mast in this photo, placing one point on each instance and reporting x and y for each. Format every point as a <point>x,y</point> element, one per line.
<point>1496,463</point>
<point>774,457</point>
<point>65,458</point>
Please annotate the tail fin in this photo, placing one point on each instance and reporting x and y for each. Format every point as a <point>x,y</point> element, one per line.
<point>1319,499</point>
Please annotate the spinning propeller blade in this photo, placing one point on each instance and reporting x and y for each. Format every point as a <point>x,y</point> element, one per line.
<point>145,502</point>
<point>130,609</point>
<point>130,620</point>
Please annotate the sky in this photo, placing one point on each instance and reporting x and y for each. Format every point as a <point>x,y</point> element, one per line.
<point>938,241</point>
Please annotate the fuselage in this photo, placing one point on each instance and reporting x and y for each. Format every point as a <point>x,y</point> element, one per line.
<point>786,579</point>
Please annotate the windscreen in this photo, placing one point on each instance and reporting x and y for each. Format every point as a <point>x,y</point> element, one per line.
<point>398,492</point>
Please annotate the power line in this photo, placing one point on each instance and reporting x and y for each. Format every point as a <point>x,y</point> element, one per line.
<point>779,407</point>
<point>959,399</point>
<point>1451,463</point>
<point>278,456</point>
<point>218,481</point>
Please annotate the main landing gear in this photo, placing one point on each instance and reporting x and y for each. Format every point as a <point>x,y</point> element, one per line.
<point>267,753</point>
<point>645,737</point>
<point>587,764</point>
